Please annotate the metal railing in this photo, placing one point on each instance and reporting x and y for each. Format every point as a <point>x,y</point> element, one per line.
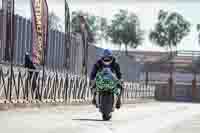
<point>28,86</point>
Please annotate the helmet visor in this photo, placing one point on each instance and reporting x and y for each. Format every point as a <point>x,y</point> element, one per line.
<point>107,59</point>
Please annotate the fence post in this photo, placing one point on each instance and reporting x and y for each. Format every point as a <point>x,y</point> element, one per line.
<point>170,83</point>
<point>194,88</point>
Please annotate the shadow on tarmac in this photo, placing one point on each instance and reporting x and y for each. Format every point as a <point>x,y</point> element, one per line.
<point>86,120</point>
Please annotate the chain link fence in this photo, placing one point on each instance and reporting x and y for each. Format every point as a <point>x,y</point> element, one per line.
<point>28,86</point>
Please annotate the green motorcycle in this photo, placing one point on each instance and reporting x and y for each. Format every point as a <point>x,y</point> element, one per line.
<point>107,88</point>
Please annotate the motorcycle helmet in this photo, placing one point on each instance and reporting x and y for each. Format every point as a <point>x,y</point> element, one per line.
<point>107,57</point>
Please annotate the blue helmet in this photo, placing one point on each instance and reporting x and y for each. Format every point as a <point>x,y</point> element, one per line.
<point>107,53</point>
<point>107,57</point>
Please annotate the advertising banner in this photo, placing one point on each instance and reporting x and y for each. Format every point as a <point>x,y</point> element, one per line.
<point>39,30</point>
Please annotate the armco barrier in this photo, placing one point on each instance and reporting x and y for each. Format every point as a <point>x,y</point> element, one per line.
<point>28,86</point>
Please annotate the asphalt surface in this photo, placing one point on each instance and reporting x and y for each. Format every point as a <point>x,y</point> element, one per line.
<point>153,117</point>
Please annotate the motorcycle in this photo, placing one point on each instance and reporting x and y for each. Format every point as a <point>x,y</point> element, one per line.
<point>107,90</point>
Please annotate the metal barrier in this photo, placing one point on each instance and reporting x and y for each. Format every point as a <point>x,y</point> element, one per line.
<point>134,90</point>
<point>28,86</point>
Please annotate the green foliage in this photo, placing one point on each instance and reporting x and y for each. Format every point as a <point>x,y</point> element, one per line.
<point>54,22</point>
<point>198,30</point>
<point>75,22</point>
<point>102,28</point>
<point>125,29</point>
<point>96,26</point>
<point>198,27</point>
<point>170,29</point>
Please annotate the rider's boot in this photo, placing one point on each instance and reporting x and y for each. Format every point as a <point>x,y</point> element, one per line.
<point>94,99</point>
<point>114,102</point>
<point>118,104</point>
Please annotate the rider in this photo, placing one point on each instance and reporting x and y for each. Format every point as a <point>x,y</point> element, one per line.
<point>107,60</point>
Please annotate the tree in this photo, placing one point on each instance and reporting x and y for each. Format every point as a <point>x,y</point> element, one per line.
<point>170,29</point>
<point>125,30</point>
<point>54,22</point>
<point>89,20</point>
<point>103,26</point>
<point>96,25</point>
<point>198,30</point>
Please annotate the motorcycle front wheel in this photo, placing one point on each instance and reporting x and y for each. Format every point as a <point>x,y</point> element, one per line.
<point>106,117</point>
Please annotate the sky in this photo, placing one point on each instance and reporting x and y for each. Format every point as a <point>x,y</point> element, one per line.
<point>147,11</point>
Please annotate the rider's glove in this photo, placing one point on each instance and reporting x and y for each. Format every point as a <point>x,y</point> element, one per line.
<point>121,81</point>
<point>92,83</point>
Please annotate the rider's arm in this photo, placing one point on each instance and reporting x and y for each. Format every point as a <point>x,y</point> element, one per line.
<point>94,72</point>
<point>118,72</point>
